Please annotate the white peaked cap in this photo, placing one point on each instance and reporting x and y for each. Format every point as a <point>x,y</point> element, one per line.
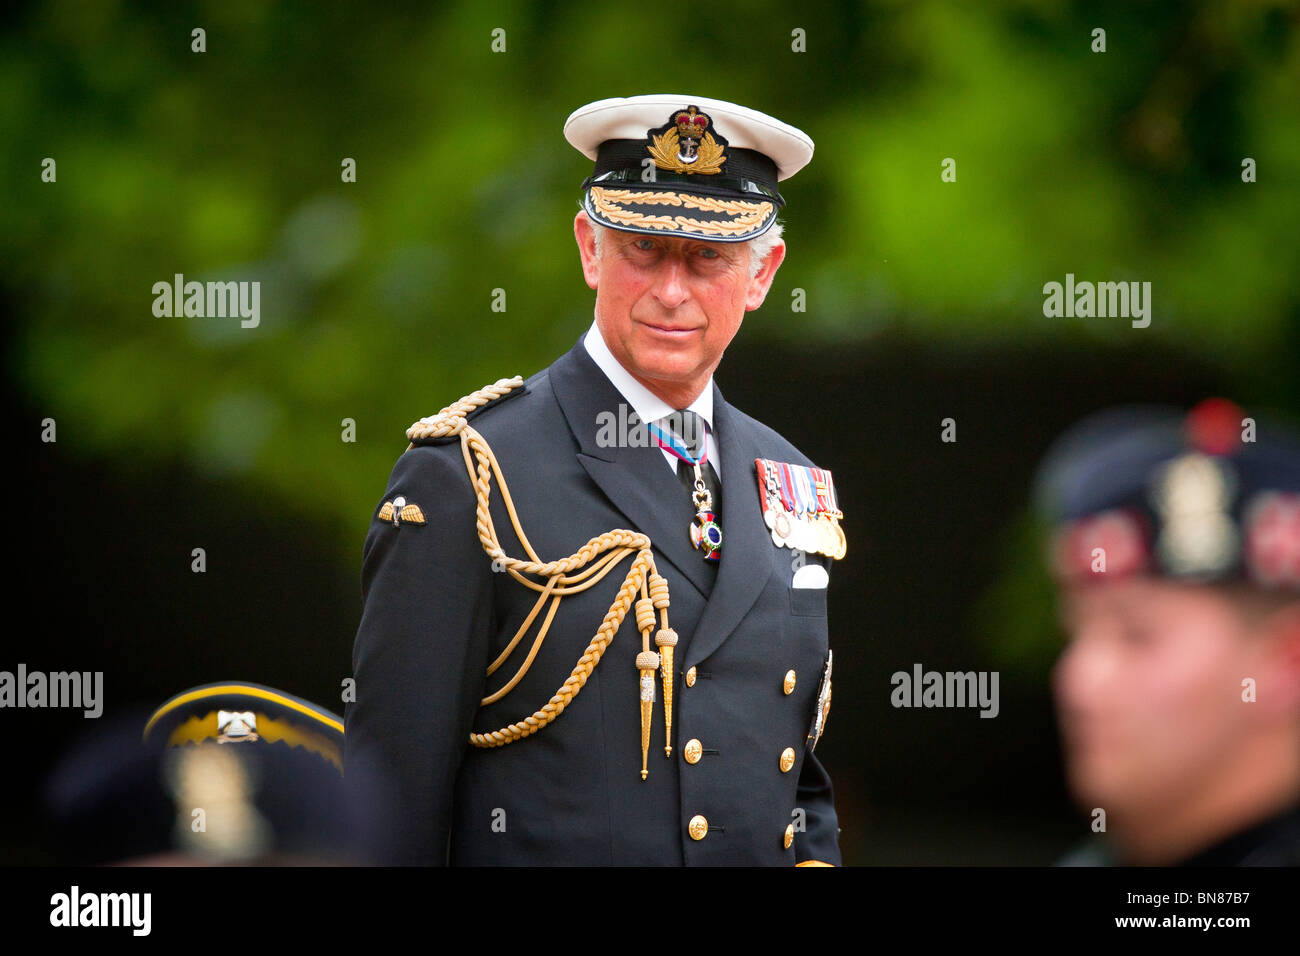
<point>631,116</point>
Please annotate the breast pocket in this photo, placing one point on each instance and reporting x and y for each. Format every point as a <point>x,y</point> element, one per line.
<point>808,602</point>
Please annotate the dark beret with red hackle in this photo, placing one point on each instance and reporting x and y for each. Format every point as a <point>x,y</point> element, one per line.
<point>1210,495</point>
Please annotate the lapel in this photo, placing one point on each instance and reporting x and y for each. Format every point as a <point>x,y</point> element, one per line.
<point>640,484</point>
<point>637,480</point>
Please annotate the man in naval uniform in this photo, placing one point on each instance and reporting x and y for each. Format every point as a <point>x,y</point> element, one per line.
<point>1177,549</point>
<point>625,433</point>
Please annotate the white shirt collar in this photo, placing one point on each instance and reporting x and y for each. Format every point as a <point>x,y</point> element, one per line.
<point>648,406</point>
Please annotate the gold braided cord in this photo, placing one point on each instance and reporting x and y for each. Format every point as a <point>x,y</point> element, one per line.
<point>523,629</point>
<point>584,568</point>
<point>528,661</point>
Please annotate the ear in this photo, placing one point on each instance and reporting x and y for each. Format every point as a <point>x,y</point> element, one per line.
<point>759,285</point>
<point>586,236</point>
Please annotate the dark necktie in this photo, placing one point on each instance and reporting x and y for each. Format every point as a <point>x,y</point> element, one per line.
<point>692,430</point>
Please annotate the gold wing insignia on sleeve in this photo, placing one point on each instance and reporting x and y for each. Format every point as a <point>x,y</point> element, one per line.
<point>398,511</point>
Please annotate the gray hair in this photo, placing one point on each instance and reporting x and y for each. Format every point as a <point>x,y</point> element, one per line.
<point>759,248</point>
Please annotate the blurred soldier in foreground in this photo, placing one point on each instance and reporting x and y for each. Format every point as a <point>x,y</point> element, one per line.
<point>223,774</point>
<point>1177,550</point>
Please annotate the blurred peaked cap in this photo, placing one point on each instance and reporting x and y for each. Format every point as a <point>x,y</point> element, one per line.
<point>240,712</point>
<point>1203,495</point>
<point>262,765</point>
<point>680,164</point>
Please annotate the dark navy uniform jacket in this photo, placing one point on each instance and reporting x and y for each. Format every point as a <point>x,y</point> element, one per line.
<point>436,615</point>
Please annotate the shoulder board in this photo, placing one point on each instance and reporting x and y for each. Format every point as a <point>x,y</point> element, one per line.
<point>446,425</point>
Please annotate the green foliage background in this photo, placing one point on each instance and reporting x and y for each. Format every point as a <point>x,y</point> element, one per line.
<point>376,295</point>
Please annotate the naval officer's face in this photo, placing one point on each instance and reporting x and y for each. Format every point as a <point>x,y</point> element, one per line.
<point>668,307</point>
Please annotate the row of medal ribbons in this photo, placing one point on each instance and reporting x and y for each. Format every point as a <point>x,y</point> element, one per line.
<point>800,507</point>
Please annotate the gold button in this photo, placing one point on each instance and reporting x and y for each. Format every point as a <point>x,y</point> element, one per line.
<point>789,833</point>
<point>787,758</point>
<point>694,750</point>
<point>699,827</point>
<point>788,686</point>
<point>690,677</point>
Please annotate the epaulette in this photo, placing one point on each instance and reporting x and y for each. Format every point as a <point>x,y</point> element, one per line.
<point>445,426</point>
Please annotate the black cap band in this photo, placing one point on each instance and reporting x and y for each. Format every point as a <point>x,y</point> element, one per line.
<point>749,174</point>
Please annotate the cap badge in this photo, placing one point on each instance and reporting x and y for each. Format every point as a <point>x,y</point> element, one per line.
<point>685,144</point>
<point>1193,495</point>
<point>234,725</point>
